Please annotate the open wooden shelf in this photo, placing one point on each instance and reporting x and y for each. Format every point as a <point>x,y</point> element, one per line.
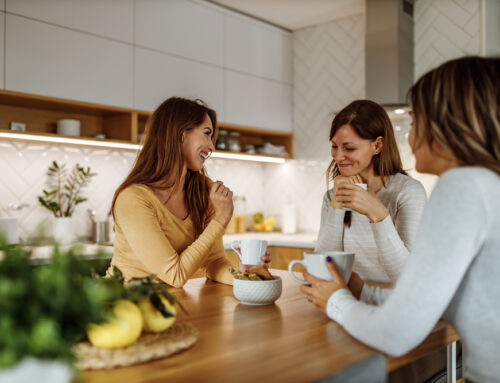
<point>41,113</point>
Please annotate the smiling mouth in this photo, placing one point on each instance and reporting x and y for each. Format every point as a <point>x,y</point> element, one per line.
<point>205,155</point>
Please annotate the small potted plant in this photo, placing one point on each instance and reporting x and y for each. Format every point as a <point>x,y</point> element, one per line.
<point>44,310</point>
<point>63,195</point>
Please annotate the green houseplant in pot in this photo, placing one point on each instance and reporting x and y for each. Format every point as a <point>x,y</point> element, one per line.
<point>44,310</point>
<point>63,194</point>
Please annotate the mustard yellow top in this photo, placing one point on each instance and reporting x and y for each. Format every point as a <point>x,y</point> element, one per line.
<point>149,239</point>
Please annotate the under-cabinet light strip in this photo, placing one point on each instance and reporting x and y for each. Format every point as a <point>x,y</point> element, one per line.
<point>123,145</point>
<point>71,141</point>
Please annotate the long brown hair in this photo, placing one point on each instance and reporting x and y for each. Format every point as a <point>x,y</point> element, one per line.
<point>160,161</point>
<point>458,105</point>
<point>370,121</point>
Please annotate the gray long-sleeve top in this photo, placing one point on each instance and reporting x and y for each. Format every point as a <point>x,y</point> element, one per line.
<point>381,248</point>
<point>453,272</point>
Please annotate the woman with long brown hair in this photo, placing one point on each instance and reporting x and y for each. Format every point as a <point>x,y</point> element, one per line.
<point>455,262</point>
<point>169,216</point>
<point>381,221</point>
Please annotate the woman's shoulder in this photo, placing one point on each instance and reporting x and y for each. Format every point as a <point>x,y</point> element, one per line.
<point>134,192</point>
<point>470,177</point>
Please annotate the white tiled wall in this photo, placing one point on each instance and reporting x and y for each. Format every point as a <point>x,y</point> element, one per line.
<point>22,179</point>
<point>444,30</point>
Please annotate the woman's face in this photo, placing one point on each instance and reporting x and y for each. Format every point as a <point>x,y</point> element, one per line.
<point>352,153</point>
<point>197,145</point>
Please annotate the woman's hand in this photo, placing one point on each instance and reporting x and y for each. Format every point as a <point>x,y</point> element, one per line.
<point>339,180</point>
<point>266,260</point>
<point>360,200</point>
<point>320,290</point>
<point>222,199</point>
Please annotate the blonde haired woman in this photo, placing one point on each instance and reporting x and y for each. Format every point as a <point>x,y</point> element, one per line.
<point>454,266</point>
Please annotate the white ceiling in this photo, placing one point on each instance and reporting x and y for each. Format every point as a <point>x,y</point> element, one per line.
<point>296,14</point>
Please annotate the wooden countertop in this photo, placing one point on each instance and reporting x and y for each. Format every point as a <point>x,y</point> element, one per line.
<point>290,341</point>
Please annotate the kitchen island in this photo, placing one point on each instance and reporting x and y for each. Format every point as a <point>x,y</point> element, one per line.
<point>290,341</point>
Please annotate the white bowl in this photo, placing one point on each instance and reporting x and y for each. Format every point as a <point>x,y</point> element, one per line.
<point>68,127</point>
<point>257,293</point>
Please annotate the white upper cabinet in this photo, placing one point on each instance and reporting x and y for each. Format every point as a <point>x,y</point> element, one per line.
<point>54,61</point>
<point>181,27</point>
<point>255,48</point>
<point>108,18</point>
<point>159,76</point>
<point>257,102</point>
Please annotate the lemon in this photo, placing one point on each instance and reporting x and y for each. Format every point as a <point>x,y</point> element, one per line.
<point>154,321</point>
<point>121,330</point>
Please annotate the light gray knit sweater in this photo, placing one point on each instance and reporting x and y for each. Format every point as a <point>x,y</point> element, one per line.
<point>381,248</point>
<point>453,272</point>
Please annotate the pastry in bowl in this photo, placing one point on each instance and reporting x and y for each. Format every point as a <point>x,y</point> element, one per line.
<point>254,289</point>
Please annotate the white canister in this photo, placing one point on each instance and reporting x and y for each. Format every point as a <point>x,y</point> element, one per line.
<point>8,227</point>
<point>288,219</point>
<point>68,127</point>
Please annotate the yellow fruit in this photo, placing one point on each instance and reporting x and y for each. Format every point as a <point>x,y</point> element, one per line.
<point>154,321</point>
<point>258,217</point>
<point>121,330</point>
<point>259,226</point>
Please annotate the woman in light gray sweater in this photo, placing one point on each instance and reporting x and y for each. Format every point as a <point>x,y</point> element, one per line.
<point>382,221</point>
<point>455,262</point>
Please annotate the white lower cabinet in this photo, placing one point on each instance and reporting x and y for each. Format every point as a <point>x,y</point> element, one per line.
<point>258,102</point>
<point>54,61</point>
<point>159,76</point>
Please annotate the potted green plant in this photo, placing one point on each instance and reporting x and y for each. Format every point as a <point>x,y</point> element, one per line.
<point>44,310</point>
<point>63,194</point>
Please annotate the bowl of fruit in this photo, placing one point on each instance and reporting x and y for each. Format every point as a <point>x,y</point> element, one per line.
<point>262,223</point>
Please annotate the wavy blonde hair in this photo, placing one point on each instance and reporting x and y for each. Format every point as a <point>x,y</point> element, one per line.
<point>458,105</point>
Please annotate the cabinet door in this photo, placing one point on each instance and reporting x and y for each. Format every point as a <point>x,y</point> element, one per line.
<point>257,102</point>
<point>255,48</point>
<point>53,61</point>
<point>159,76</point>
<point>113,19</point>
<point>182,28</point>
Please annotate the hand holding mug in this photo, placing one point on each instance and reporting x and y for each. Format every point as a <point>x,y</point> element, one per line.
<point>319,290</point>
<point>251,252</point>
<point>265,261</point>
<point>339,180</point>
<point>355,197</point>
<point>222,200</point>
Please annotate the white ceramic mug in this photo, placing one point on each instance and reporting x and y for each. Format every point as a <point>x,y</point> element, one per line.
<point>8,228</point>
<point>363,186</point>
<point>250,250</point>
<point>315,264</point>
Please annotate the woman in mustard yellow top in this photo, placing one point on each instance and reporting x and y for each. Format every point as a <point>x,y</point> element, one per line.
<point>169,216</point>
